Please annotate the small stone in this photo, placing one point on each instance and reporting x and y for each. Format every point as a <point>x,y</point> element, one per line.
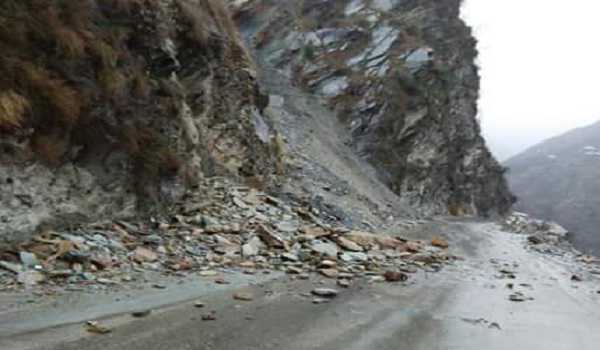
<point>28,259</point>
<point>96,327</point>
<point>159,286</point>
<point>221,281</point>
<point>535,240</point>
<point>304,276</point>
<point>343,283</point>
<point>327,264</point>
<point>320,301</point>
<point>440,243</point>
<point>212,316</point>
<point>394,276</point>
<point>199,304</point>
<point>15,268</point>
<point>329,273</point>
<point>576,278</point>
<point>139,314</point>
<point>207,273</point>
<point>325,248</point>
<point>325,292</point>
<point>252,247</point>
<point>243,296</point>
<point>292,270</point>
<point>354,257</point>
<point>143,255</point>
<point>348,244</point>
<point>290,257</point>
<point>30,277</point>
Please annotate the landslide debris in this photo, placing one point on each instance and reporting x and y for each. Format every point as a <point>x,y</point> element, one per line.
<point>208,236</point>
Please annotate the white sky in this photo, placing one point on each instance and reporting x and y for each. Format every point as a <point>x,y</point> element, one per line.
<point>540,68</point>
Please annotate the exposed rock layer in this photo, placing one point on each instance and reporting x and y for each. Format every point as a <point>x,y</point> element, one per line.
<point>401,75</point>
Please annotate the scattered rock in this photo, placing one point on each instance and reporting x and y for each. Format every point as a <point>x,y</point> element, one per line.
<point>212,316</point>
<point>519,297</point>
<point>348,244</point>
<point>221,281</point>
<point>395,276</point>
<point>208,273</point>
<point>28,260</point>
<point>252,247</point>
<point>325,248</point>
<point>140,314</point>
<point>535,239</point>
<point>343,283</point>
<point>30,277</point>
<point>159,286</point>
<point>243,296</point>
<point>320,301</point>
<point>294,270</point>
<point>199,304</point>
<point>96,327</point>
<point>440,243</point>
<point>576,278</point>
<point>143,255</point>
<point>8,266</point>
<point>329,273</point>
<point>325,292</point>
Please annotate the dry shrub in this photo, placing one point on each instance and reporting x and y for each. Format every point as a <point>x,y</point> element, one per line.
<point>199,22</point>
<point>69,42</point>
<point>56,92</point>
<point>13,108</point>
<point>141,84</point>
<point>106,53</point>
<point>112,81</point>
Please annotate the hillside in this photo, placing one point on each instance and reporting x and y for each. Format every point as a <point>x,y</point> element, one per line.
<point>115,108</point>
<point>558,180</point>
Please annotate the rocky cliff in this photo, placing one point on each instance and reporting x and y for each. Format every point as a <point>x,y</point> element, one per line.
<point>113,107</point>
<point>401,76</point>
<point>558,180</point>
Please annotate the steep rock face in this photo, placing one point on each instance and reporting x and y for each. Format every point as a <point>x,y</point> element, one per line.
<point>558,180</point>
<point>112,106</point>
<point>401,75</point>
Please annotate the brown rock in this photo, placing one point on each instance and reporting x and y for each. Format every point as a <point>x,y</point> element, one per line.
<point>394,276</point>
<point>440,243</point>
<point>142,255</point>
<point>329,273</point>
<point>243,296</point>
<point>366,239</point>
<point>347,244</point>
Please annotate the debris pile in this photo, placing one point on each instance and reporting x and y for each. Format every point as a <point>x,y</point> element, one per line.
<point>218,227</point>
<point>540,232</point>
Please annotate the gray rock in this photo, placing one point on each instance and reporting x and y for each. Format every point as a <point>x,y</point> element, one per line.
<point>28,259</point>
<point>325,248</point>
<point>252,247</point>
<point>354,257</point>
<point>325,292</point>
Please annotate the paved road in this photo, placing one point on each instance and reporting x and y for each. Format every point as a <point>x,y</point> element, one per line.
<point>464,307</point>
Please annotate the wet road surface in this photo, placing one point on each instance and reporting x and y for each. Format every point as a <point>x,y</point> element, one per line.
<point>465,307</point>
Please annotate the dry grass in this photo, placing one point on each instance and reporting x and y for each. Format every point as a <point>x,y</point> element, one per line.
<point>13,110</point>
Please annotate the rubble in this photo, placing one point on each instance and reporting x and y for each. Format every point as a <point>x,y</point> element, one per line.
<point>325,292</point>
<point>209,232</point>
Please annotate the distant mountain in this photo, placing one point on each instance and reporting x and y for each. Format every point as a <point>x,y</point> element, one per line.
<point>559,180</point>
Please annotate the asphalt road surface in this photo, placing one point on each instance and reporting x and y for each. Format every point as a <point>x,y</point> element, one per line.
<point>465,306</point>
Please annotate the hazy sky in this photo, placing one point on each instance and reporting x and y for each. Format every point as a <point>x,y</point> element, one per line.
<point>540,68</point>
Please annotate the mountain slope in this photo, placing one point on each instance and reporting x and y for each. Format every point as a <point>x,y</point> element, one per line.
<point>400,75</point>
<point>559,180</point>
